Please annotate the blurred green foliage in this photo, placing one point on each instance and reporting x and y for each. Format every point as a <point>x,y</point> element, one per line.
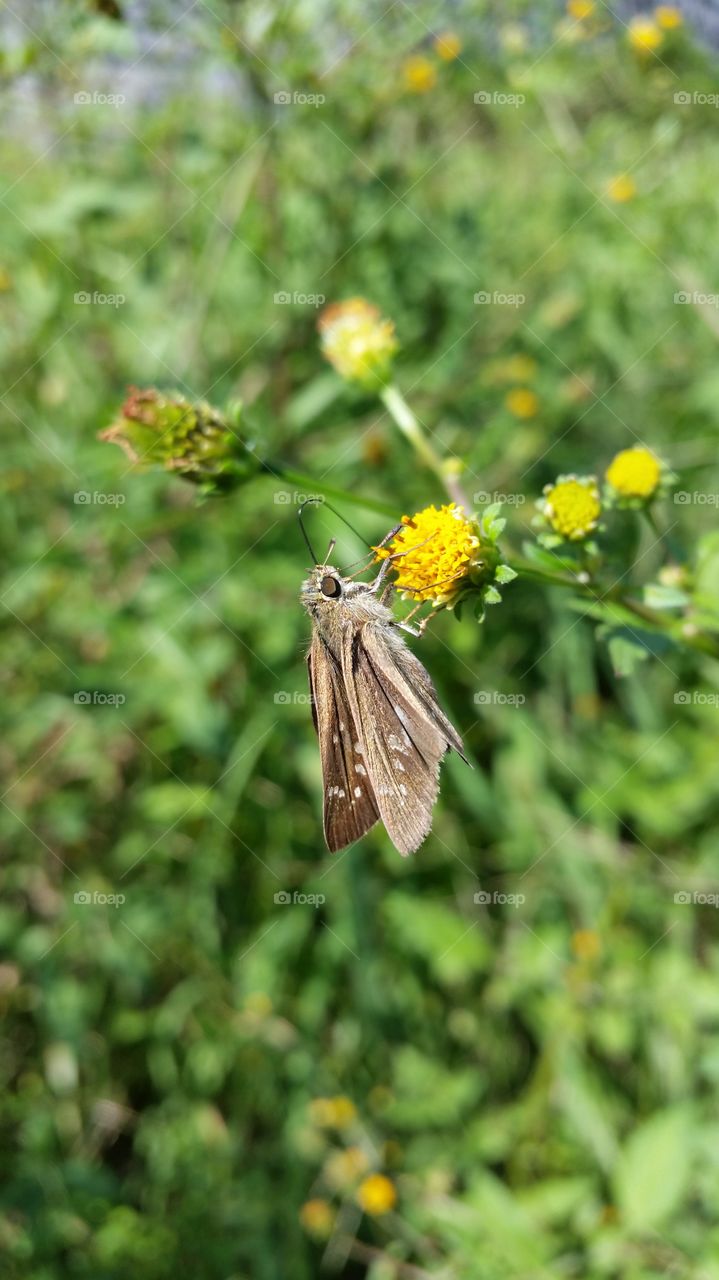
<point>536,1074</point>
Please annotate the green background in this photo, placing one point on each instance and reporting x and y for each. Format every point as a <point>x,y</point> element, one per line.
<point>539,1080</point>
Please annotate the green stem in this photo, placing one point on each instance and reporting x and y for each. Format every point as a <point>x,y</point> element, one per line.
<point>403,416</point>
<point>310,485</point>
<point>672,627</point>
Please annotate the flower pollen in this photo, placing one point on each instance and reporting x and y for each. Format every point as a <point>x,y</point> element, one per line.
<point>572,506</point>
<point>439,549</point>
<point>634,473</point>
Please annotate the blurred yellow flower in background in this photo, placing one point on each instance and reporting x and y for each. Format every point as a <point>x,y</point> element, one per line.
<point>448,46</point>
<point>644,35</point>
<point>343,1168</point>
<point>420,75</point>
<point>317,1217</point>
<point>668,17</point>
<point>580,9</point>
<point>621,188</point>
<point>522,402</point>
<point>377,1194</point>
<point>634,473</point>
<point>333,1113</point>
<point>358,341</point>
<point>586,944</point>
<point>571,506</point>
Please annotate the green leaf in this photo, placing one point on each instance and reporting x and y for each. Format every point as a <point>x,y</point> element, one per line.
<point>626,652</point>
<point>651,1178</point>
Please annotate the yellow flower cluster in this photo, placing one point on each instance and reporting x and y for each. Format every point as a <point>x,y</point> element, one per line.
<point>419,73</point>
<point>646,32</point>
<point>333,1113</point>
<point>522,402</point>
<point>572,507</point>
<point>377,1194</point>
<point>439,547</point>
<point>358,341</point>
<point>622,188</point>
<point>634,473</point>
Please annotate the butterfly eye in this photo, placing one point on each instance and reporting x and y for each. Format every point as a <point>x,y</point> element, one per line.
<point>330,586</point>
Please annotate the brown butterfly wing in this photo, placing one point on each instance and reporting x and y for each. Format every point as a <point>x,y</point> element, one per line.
<point>403,731</point>
<point>350,808</point>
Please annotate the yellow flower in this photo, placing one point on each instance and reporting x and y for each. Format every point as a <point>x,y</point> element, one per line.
<point>580,9</point>
<point>317,1217</point>
<point>621,189</point>
<point>448,46</point>
<point>333,1113</point>
<point>668,17</point>
<point>644,35</point>
<point>586,944</point>
<point>343,1168</point>
<point>420,75</point>
<point>634,473</point>
<point>358,341</point>
<point>447,547</point>
<point>522,402</point>
<point>516,368</point>
<point>572,506</point>
<point>377,1194</point>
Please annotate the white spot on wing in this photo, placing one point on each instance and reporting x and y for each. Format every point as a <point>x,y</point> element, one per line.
<point>359,768</point>
<point>358,792</point>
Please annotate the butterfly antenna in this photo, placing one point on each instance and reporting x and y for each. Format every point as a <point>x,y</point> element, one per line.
<point>308,502</point>
<point>320,502</point>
